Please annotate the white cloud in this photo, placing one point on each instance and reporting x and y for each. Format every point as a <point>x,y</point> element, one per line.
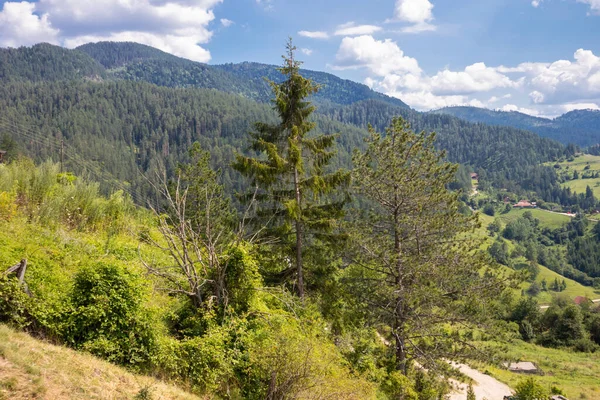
<point>306,51</point>
<point>475,78</point>
<point>495,99</point>
<point>314,34</point>
<point>176,26</point>
<point>226,22</point>
<point>349,29</point>
<point>513,107</point>
<point>548,88</point>
<point>594,4</point>
<point>419,13</point>
<point>19,26</point>
<point>563,80</point>
<point>396,74</point>
<point>414,11</point>
<point>382,57</point>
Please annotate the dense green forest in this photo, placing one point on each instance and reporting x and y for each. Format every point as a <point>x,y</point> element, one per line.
<point>580,127</point>
<point>120,130</point>
<point>333,219</point>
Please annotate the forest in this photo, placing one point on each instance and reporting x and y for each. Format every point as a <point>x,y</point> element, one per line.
<point>313,247</point>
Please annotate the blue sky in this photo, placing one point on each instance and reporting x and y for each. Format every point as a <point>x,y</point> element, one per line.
<point>541,57</point>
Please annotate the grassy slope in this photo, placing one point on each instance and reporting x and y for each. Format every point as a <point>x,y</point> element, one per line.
<point>575,373</point>
<point>579,185</point>
<point>547,219</point>
<point>32,369</point>
<point>552,221</point>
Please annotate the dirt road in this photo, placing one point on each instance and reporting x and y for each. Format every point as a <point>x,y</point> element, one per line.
<point>484,386</point>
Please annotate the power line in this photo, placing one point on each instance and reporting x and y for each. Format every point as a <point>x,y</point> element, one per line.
<point>86,165</point>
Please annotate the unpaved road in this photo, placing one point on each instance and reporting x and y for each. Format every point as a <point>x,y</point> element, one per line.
<point>484,386</point>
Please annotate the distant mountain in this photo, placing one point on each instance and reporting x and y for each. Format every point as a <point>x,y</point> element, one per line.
<point>580,127</point>
<point>333,89</point>
<point>45,62</point>
<point>136,62</point>
<point>147,107</point>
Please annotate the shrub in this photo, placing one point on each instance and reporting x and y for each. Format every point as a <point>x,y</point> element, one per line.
<point>106,316</point>
<point>530,389</point>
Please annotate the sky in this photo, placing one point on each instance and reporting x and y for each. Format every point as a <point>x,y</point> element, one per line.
<point>540,57</point>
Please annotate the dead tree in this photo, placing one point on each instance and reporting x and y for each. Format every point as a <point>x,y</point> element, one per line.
<point>19,270</point>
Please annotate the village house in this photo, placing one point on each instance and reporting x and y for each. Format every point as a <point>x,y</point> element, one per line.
<point>525,204</point>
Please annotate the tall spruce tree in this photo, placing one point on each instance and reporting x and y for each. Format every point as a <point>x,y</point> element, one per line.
<point>290,173</point>
<point>414,265</point>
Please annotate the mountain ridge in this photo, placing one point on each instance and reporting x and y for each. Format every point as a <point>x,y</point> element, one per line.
<point>580,127</point>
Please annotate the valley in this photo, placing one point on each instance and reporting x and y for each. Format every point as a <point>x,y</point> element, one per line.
<point>187,236</point>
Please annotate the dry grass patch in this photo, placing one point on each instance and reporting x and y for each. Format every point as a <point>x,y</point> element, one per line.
<point>32,369</point>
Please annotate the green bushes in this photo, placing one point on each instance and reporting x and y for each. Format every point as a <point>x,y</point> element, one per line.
<point>106,316</point>
<point>52,198</point>
<point>101,314</point>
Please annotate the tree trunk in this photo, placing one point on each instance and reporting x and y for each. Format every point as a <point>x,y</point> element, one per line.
<point>299,236</point>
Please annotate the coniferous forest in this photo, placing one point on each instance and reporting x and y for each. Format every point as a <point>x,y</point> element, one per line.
<point>294,237</point>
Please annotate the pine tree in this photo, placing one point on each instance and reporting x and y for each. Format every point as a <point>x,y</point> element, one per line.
<point>471,393</point>
<point>291,174</point>
<point>413,264</point>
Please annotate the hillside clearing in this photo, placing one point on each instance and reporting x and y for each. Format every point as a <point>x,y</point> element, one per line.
<point>32,369</point>
<point>575,373</point>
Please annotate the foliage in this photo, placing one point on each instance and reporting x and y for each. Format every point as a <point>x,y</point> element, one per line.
<point>530,389</point>
<point>293,188</point>
<point>409,250</point>
<point>106,316</point>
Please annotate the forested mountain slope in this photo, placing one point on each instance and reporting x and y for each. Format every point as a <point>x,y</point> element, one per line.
<point>132,61</point>
<point>580,127</point>
<point>151,106</point>
<point>45,62</point>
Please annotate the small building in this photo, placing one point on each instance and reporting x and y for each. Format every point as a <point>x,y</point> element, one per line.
<point>579,300</point>
<point>475,176</point>
<point>524,367</point>
<point>524,204</point>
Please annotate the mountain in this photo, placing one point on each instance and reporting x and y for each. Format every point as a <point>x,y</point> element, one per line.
<point>148,107</point>
<point>45,62</point>
<point>333,89</point>
<point>580,127</point>
<point>136,62</point>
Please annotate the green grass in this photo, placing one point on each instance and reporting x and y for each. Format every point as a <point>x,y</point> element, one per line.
<point>547,219</point>
<point>579,164</point>
<point>577,374</point>
<point>33,369</point>
<point>573,289</point>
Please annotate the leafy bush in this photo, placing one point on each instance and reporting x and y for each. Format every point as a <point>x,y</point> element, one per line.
<point>106,316</point>
<point>15,305</point>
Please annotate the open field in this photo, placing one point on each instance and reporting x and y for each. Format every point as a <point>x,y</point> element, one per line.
<point>575,373</point>
<point>547,219</point>
<point>550,220</point>
<point>32,369</point>
<point>573,289</point>
<point>579,165</point>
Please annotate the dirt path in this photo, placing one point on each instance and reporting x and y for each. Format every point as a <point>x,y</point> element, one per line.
<point>484,386</point>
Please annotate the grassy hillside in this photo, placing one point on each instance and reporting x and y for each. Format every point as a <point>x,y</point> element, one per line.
<point>547,219</point>
<point>579,164</point>
<point>575,373</point>
<point>33,369</point>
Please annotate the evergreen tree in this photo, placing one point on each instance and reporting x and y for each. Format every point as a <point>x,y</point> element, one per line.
<point>471,393</point>
<point>415,269</point>
<point>291,173</point>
